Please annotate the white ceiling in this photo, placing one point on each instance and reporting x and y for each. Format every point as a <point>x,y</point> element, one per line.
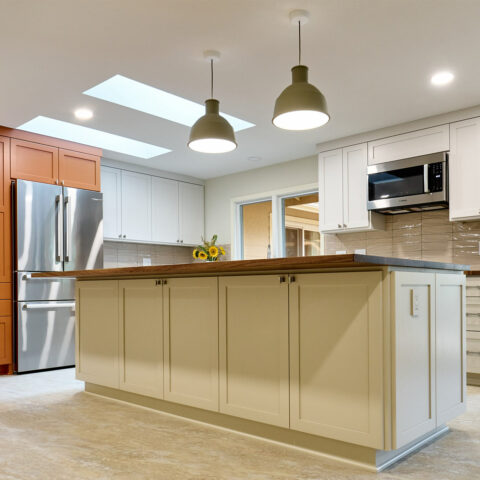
<point>371,58</point>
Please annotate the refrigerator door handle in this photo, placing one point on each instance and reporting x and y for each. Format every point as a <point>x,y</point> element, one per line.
<point>67,228</point>
<point>48,306</point>
<point>59,230</point>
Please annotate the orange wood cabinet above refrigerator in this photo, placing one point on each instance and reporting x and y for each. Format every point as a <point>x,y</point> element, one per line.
<point>46,164</point>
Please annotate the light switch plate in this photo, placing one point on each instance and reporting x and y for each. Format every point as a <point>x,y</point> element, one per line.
<point>414,303</point>
<point>340,252</point>
<point>147,261</point>
<point>361,251</point>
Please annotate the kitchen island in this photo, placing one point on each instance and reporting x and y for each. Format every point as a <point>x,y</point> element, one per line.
<point>356,357</point>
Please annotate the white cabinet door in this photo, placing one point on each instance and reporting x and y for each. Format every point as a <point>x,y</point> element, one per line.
<point>412,144</point>
<point>112,200</point>
<point>330,190</point>
<point>464,170</point>
<point>136,206</point>
<point>191,213</point>
<point>165,221</point>
<point>355,188</point>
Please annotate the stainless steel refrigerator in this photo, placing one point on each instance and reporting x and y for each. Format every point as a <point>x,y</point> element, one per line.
<point>56,229</point>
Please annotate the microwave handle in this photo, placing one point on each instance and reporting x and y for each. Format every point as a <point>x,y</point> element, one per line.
<point>426,188</point>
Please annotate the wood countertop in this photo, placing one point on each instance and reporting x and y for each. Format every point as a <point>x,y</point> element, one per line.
<point>472,272</point>
<point>255,266</point>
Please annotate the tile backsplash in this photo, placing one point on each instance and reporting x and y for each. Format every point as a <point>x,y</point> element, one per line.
<point>118,254</point>
<point>423,235</point>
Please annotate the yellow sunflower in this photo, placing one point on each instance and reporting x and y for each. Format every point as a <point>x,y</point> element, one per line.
<point>222,251</point>
<point>213,251</point>
<point>195,253</point>
<point>202,255</point>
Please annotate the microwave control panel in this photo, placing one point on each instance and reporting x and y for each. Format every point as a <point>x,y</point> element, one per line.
<point>435,177</point>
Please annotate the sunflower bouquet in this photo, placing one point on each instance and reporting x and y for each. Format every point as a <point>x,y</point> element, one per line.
<point>208,251</point>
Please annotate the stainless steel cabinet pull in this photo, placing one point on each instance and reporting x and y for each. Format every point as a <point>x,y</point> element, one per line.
<point>292,279</point>
<point>339,225</point>
<point>282,279</point>
<point>124,236</point>
<point>59,229</point>
<point>66,201</point>
<point>47,306</point>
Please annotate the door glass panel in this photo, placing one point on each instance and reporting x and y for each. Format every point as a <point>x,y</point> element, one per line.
<point>300,225</point>
<point>256,230</point>
<point>396,183</point>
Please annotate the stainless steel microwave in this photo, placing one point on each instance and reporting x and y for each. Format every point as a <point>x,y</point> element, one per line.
<point>409,185</point>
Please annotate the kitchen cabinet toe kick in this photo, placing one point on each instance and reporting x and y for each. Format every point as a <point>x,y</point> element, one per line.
<point>360,366</point>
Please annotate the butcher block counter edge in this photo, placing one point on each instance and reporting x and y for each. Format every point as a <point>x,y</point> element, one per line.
<point>257,266</point>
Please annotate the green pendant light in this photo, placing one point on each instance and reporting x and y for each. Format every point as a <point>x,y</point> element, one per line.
<point>301,106</point>
<point>212,133</point>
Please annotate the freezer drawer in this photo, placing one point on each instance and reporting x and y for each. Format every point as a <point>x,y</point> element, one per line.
<point>31,288</point>
<point>45,335</point>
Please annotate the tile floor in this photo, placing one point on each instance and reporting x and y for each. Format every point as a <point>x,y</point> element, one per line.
<point>50,429</point>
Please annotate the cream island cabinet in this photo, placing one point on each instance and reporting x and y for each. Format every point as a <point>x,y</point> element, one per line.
<point>356,357</point>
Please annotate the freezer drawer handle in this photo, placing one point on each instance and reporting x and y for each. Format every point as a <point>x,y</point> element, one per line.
<point>48,306</point>
<point>28,276</point>
<point>59,231</point>
<point>67,229</point>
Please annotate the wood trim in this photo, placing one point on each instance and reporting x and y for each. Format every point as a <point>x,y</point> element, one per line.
<point>264,265</point>
<point>49,141</point>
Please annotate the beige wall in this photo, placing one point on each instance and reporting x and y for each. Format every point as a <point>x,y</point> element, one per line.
<point>421,236</point>
<point>219,191</point>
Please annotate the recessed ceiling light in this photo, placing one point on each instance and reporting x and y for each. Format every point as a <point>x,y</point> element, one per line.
<point>83,113</point>
<point>442,78</point>
<point>90,136</point>
<point>145,98</point>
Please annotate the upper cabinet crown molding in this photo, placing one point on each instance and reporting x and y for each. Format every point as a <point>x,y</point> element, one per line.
<point>343,191</point>
<point>412,144</point>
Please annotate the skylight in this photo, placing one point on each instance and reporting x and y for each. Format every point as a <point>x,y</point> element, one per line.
<point>90,136</point>
<point>144,98</point>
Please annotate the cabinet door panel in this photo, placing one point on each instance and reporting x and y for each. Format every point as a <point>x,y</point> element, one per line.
<point>96,332</point>
<point>112,202</point>
<point>336,356</point>
<point>330,190</point>
<point>136,206</point>
<point>253,323</point>
<point>464,170</point>
<point>79,170</point>
<point>192,216</point>
<point>191,341</point>
<point>355,187</point>
<point>165,221</point>
<point>141,337</point>
<point>414,362</point>
<point>6,340</point>
<point>33,161</point>
<point>5,212</point>
<point>450,347</point>
<point>411,144</point>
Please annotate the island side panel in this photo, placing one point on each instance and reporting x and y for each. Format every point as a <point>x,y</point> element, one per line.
<point>336,356</point>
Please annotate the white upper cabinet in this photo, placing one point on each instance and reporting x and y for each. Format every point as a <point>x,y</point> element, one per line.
<point>165,220</point>
<point>192,216</point>
<point>146,208</point>
<point>343,191</point>
<point>136,206</point>
<point>464,170</point>
<point>112,200</point>
<point>355,188</point>
<point>330,190</point>
<point>412,144</point>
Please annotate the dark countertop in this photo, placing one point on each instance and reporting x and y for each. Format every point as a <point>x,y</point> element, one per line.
<point>472,272</point>
<point>256,266</point>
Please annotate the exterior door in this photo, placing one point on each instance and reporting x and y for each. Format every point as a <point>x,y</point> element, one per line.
<point>253,314</point>
<point>83,229</point>
<point>330,190</point>
<point>39,227</point>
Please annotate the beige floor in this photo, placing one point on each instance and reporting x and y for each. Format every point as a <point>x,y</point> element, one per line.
<point>50,429</point>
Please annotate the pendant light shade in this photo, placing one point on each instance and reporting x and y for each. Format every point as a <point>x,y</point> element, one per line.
<point>301,106</point>
<point>211,133</point>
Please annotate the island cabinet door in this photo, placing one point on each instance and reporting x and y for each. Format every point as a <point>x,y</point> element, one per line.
<point>96,332</point>
<point>450,346</point>
<point>414,403</point>
<point>190,307</point>
<point>141,337</point>
<point>336,356</point>
<point>254,348</point>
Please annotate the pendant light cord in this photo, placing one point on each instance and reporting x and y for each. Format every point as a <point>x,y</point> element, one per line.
<point>211,76</point>
<point>299,44</point>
